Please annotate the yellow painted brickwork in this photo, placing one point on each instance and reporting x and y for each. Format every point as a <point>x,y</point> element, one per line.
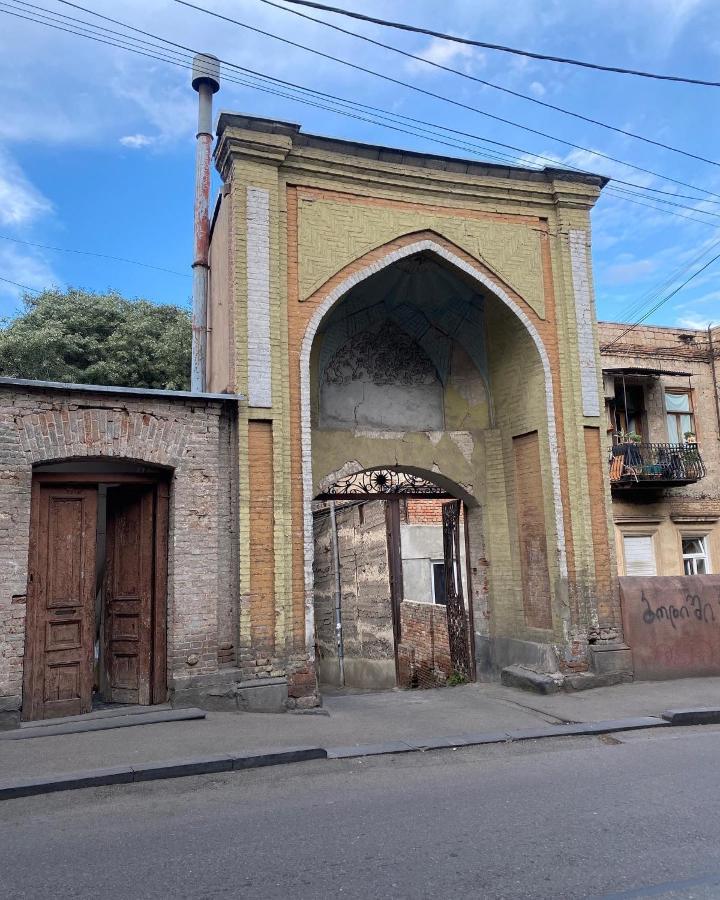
<point>510,249</point>
<point>334,211</point>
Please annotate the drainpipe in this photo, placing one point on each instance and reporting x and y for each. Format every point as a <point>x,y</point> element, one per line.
<point>206,81</point>
<point>714,377</point>
<point>338,594</point>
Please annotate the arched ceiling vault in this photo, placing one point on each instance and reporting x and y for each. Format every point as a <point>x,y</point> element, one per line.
<point>423,298</point>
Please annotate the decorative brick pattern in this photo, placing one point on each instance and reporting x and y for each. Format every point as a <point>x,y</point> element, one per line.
<point>585,316</point>
<point>258,298</point>
<point>190,437</point>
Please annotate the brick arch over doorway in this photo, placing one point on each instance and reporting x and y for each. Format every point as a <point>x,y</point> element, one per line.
<point>187,437</point>
<point>542,332</point>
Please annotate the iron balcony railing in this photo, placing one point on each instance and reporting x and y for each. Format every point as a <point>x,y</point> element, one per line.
<point>658,465</point>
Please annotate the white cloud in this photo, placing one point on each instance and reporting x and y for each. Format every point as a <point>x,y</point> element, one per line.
<point>20,202</point>
<point>25,268</point>
<point>137,141</point>
<point>627,270</point>
<point>537,88</point>
<point>697,322</point>
<point>446,53</point>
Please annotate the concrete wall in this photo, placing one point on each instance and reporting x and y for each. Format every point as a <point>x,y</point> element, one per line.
<point>366,606</point>
<point>420,546</point>
<point>672,625</point>
<point>191,437</point>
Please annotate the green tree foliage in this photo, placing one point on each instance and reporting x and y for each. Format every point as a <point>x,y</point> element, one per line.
<point>88,338</point>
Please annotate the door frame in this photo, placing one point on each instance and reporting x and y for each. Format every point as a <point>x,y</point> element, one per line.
<point>161,499</point>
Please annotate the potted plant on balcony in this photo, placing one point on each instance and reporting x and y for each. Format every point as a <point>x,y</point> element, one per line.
<point>690,437</point>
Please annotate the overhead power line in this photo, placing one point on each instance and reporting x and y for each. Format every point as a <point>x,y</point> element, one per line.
<point>134,262</point>
<point>652,294</point>
<point>493,85</point>
<point>660,303</point>
<point>25,287</point>
<point>416,29</point>
<point>549,160</point>
<point>436,96</point>
<point>182,59</point>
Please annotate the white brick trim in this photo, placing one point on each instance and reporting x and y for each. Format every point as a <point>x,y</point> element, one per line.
<point>258,298</point>
<point>306,429</point>
<point>584,317</point>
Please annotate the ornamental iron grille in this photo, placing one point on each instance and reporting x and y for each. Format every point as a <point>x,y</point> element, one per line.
<point>456,615</point>
<point>374,482</point>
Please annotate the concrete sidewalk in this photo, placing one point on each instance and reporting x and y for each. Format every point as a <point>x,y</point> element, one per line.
<point>349,720</point>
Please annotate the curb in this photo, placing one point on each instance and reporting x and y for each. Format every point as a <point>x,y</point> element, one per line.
<point>701,715</point>
<point>175,768</point>
<point>498,737</point>
<point>206,765</point>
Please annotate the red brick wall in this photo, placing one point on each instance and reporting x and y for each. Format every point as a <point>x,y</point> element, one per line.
<point>424,651</point>
<point>530,508</point>
<point>423,512</point>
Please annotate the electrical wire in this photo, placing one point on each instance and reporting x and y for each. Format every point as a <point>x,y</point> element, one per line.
<point>652,294</point>
<point>553,162</point>
<point>402,26</point>
<point>436,96</point>
<point>184,62</point>
<point>25,287</point>
<point>660,303</point>
<point>180,60</point>
<point>134,262</point>
<point>493,85</point>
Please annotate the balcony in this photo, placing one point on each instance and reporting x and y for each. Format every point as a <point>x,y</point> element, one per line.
<point>642,466</point>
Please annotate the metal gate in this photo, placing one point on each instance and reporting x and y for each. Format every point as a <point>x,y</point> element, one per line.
<point>456,615</point>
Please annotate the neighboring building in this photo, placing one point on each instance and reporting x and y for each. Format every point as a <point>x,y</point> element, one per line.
<point>661,388</point>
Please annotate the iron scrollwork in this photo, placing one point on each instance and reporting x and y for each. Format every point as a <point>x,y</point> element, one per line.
<point>373,482</point>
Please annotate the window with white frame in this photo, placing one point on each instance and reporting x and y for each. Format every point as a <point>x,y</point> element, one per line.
<point>680,422</point>
<point>639,554</point>
<point>695,555</point>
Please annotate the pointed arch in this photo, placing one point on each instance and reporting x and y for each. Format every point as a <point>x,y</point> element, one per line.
<point>425,242</point>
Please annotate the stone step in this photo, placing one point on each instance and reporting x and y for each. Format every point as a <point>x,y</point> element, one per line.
<point>104,722</point>
<point>104,713</point>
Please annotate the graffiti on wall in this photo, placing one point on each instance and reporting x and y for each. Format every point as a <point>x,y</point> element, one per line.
<point>672,625</point>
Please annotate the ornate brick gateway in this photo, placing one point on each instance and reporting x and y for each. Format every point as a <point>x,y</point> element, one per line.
<point>369,310</point>
<point>385,309</point>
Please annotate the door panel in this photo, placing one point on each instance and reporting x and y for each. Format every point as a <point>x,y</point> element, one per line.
<point>61,590</point>
<point>456,616</point>
<point>128,595</point>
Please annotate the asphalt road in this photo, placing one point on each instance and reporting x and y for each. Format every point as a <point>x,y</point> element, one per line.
<point>579,817</point>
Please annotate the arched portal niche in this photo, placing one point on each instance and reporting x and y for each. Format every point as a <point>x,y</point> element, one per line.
<point>424,360</point>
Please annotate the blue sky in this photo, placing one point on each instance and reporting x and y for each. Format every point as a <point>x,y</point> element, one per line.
<point>97,144</point>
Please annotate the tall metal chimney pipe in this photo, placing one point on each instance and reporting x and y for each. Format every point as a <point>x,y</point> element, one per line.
<point>206,81</point>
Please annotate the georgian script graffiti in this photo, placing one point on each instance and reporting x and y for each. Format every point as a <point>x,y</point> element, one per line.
<point>692,607</point>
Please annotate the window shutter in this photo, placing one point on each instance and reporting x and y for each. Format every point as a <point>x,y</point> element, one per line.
<point>639,556</point>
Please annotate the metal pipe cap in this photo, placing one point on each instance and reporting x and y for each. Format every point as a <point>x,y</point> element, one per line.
<point>206,70</point>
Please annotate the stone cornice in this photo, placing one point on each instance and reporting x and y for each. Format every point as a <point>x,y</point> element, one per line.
<point>281,144</point>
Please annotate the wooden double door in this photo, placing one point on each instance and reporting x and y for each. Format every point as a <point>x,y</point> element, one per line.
<point>96,607</point>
